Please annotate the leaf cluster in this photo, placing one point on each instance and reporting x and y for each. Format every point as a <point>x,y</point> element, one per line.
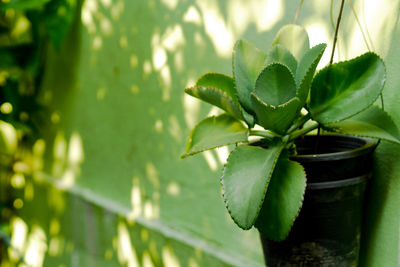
<point>27,27</point>
<point>281,92</point>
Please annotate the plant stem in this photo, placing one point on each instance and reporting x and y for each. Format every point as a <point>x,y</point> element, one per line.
<point>298,11</point>
<point>303,131</point>
<point>336,31</point>
<point>265,134</point>
<point>299,123</point>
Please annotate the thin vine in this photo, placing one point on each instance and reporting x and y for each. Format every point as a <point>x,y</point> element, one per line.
<point>298,11</point>
<point>359,25</point>
<point>330,63</point>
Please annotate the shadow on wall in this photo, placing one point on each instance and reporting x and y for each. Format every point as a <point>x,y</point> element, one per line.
<point>118,123</point>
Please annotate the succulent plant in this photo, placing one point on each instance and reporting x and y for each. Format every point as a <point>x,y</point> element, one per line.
<point>280,92</point>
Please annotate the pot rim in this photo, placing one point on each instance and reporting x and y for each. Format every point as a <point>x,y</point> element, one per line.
<point>367,145</point>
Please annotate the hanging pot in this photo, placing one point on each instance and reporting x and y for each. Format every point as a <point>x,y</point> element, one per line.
<point>328,229</point>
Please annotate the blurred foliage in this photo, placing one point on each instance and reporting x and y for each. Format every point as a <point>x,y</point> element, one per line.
<point>27,29</point>
<point>26,26</point>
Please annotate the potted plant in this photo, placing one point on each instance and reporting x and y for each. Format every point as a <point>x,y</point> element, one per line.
<point>303,193</point>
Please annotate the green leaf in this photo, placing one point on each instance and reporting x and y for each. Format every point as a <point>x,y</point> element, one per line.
<point>276,118</point>
<point>248,61</point>
<point>245,181</point>
<point>214,132</point>
<point>248,118</point>
<point>306,69</point>
<point>219,81</point>
<point>344,89</point>
<point>373,122</point>
<point>283,200</point>
<point>217,98</point>
<point>275,85</point>
<point>226,84</point>
<point>279,54</point>
<point>23,4</point>
<point>294,38</point>
<point>58,16</point>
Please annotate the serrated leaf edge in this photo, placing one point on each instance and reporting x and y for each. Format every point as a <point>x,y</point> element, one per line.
<point>290,25</point>
<point>269,65</point>
<point>272,106</point>
<point>224,94</point>
<point>208,73</point>
<point>273,62</point>
<point>347,61</point>
<point>265,190</point>
<point>301,204</point>
<point>218,73</point>
<point>337,129</point>
<point>234,79</point>
<point>242,110</point>
<point>189,140</point>
<point>309,69</point>
<point>286,26</point>
<point>277,107</point>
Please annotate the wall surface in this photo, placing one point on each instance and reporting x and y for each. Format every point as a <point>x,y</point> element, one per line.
<point>109,180</point>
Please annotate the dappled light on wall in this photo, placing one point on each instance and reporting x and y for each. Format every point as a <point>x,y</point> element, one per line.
<point>18,238</point>
<point>146,260</point>
<point>136,201</point>
<point>152,175</point>
<point>263,13</point>
<point>173,189</point>
<point>126,251</point>
<point>376,27</point>
<point>27,245</point>
<point>36,247</point>
<point>143,206</point>
<point>217,28</point>
<point>169,257</point>
<point>211,161</point>
<point>57,241</point>
<point>191,107</point>
<point>172,41</point>
<point>67,159</point>
<point>318,32</point>
<point>171,4</point>
<point>115,134</point>
<point>59,154</point>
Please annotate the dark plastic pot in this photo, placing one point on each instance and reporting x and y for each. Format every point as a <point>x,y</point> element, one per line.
<point>328,229</point>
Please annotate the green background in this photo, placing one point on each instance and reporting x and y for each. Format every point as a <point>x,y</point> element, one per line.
<point>109,186</point>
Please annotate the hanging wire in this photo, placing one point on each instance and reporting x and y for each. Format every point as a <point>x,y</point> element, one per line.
<point>333,28</point>
<point>365,36</point>
<point>359,25</point>
<point>331,15</point>
<point>330,63</point>
<point>366,42</point>
<point>298,11</point>
<point>366,28</point>
<point>336,31</point>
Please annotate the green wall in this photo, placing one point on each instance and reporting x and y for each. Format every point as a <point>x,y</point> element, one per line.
<point>109,161</point>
